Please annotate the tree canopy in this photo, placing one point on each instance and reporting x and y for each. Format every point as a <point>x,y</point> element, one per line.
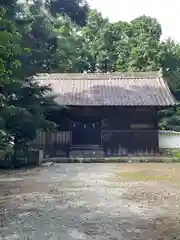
<point>77,10</point>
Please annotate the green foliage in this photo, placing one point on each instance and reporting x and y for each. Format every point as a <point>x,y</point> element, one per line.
<point>77,10</point>
<point>177,154</point>
<point>22,100</point>
<point>9,53</point>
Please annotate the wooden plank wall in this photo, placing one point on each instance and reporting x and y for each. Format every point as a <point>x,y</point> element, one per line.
<point>57,139</point>
<point>129,142</point>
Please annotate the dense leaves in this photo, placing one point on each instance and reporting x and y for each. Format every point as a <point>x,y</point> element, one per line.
<point>22,102</point>
<point>77,10</point>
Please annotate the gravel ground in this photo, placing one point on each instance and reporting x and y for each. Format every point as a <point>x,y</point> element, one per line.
<point>86,202</point>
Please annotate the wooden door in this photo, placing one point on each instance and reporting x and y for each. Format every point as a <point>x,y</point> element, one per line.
<point>86,134</point>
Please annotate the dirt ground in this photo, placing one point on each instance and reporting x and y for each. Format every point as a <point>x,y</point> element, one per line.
<point>91,201</point>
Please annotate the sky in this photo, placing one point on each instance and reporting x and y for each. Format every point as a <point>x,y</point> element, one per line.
<point>166,12</point>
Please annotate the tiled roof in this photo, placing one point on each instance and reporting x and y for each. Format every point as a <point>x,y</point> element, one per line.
<point>109,89</point>
<point>168,132</point>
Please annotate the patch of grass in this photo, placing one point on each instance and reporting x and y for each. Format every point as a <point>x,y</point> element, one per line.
<point>176,156</point>
<point>146,176</point>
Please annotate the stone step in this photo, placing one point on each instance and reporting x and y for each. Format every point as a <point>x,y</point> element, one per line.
<point>85,147</point>
<point>86,151</point>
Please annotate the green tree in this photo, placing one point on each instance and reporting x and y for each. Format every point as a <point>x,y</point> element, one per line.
<point>77,10</point>
<point>9,55</point>
<point>70,56</point>
<point>23,102</point>
<point>99,43</point>
<point>170,62</point>
<point>143,41</point>
<point>122,46</point>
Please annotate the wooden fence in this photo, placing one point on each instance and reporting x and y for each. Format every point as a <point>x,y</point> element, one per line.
<point>58,139</point>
